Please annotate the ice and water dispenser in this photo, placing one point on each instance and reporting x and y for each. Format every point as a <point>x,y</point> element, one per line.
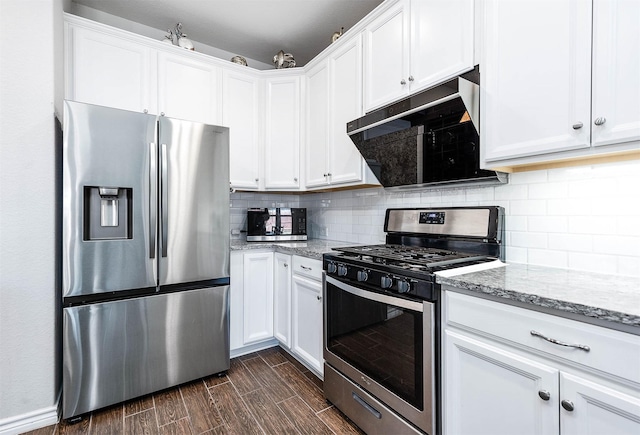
<point>107,213</point>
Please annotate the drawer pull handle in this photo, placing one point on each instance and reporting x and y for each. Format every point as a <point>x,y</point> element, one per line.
<point>305,267</point>
<point>560,343</point>
<point>366,406</point>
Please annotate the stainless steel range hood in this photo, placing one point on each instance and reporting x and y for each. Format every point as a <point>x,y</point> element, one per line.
<point>428,140</point>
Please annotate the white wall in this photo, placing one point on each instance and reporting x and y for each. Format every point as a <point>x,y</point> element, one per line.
<point>28,364</point>
<point>580,218</point>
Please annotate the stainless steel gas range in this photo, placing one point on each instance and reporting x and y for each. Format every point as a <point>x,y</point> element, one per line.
<point>382,314</point>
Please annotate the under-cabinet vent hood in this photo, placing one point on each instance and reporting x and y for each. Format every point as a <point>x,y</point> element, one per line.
<point>430,139</point>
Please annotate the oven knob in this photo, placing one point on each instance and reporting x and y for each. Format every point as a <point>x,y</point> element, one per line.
<point>362,275</point>
<point>386,282</point>
<point>403,286</point>
<point>331,267</point>
<point>342,270</point>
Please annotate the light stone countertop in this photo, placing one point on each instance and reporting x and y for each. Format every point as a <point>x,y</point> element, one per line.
<point>313,248</point>
<point>606,300</point>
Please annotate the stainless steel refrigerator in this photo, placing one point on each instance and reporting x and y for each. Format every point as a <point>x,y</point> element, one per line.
<point>145,254</point>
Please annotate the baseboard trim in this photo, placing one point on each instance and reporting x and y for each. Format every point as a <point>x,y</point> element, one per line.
<point>253,347</point>
<point>30,421</point>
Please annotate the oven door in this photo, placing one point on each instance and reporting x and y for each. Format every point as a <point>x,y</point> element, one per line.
<point>385,344</point>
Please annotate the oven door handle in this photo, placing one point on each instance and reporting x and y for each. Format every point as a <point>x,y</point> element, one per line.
<point>385,299</point>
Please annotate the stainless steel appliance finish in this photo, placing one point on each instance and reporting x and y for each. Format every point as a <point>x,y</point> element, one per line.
<point>276,224</point>
<point>145,254</point>
<point>382,314</point>
<point>430,139</point>
<point>122,349</point>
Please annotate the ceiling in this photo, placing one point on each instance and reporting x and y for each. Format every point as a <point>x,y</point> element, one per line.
<point>256,29</point>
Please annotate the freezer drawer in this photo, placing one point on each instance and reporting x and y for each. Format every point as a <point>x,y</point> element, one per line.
<point>115,351</point>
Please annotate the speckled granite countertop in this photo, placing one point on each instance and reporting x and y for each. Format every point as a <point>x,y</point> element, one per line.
<point>311,248</point>
<point>607,300</point>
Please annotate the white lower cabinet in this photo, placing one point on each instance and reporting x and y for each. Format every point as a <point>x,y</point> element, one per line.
<point>251,300</point>
<point>282,299</point>
<point>499,378</point>
<point>306,303</point>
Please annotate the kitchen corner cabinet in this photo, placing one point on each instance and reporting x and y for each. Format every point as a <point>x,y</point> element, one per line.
<point>414,45</point>
<point>107,68</point>
<point>282,299</point>
<point>283,101</point>
<point>334,97</point>
<point>499,378</point>
<point>251,300</point>
<point>306,311</point>
<point>242,111</point>
<point>562,93</point>
<point>189,88</point>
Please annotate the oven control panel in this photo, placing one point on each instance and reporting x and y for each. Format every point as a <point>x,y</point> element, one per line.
<point>373,278</point>
<point>432,217</point>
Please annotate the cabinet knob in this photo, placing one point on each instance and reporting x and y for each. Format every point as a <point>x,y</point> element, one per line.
<point>567,404</point>
<point>145,111</point>
<point>161,113</point>
<point>600,120</point>
<point>328,174</point>
<point>577,126</point>
<point>295,179</point>
<point>286,265</point>
<point>544,395</point>
<point>403,82</point>
<point>257,179</point>
<point>324,175</point>
<point>410,78</point>
<point>319,297</point>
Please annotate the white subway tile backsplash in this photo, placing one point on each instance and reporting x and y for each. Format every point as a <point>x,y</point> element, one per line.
<point>545,257</point>
<point>583,218</point>
<point>548,224</point>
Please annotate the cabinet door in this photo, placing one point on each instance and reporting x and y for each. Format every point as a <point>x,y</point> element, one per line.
<point>345,99</point>
<point>597,408</point>
<point>282,133</point>
<point>236,300</point>
<point>282,299</point>
<point>616,72</point>
<point>188,88</point>
<point>307,321</point>
<point>258,297</point>
<point>242,112</point>
<point>487,390</point>
<point>535,90</point>
<point>108,70</point>
<point>316,143</point>
<point>441,40</point>
<point>386,57</point>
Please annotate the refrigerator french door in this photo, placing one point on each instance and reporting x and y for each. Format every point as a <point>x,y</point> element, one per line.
<point>145,254</point>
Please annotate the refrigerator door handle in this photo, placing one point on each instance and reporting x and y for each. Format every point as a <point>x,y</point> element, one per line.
<point>153,210</point>
<point>164,186</point>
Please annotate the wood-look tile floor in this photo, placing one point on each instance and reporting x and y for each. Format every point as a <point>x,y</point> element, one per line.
<point>266,392</point>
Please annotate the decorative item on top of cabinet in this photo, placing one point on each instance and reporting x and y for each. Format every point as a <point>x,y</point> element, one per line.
<point>337,35</point>
<point>176,37</point>
<point>283,60</point>
<point>239,60</point>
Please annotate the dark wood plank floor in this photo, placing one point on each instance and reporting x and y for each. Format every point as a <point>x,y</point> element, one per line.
<point>266,392</point>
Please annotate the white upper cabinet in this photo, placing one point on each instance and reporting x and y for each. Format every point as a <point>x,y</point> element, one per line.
<point>317,135</point>
<point>333,98</point>
<point>416,44</point>
<point>539,99</point>
<point>282,131</point>
<point>345,93</point>
<point>242,114</point>
<point>108,69</point>
<point>615,96</point>
<point>189,88</point>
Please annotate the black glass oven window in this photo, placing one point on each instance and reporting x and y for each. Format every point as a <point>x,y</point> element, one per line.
<point>382,341</point>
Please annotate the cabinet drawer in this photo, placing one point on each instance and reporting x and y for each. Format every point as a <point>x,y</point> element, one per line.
<point>610,351</point>
<point>308,267</point>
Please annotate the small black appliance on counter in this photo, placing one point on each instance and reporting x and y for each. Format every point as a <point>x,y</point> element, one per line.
<point>276,224</point>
